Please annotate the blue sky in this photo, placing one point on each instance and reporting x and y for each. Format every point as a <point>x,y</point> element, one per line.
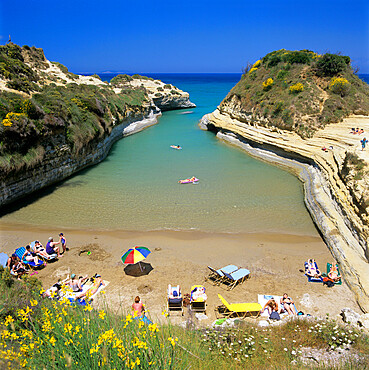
<point>183,36</point>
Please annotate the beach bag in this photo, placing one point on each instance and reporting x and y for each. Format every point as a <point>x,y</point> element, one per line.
<point>328,282</point>
<point>274,316</point>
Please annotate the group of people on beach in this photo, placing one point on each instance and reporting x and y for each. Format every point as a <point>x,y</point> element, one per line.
<point>357,131</point>
<point>33,253</point>
<point>313,271</point>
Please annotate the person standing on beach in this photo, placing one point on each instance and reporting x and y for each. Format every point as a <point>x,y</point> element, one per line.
<point>51,247</point>
<point>363,143</point>
<point>63,242</point>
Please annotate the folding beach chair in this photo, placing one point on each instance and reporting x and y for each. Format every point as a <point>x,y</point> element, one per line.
<point>216,276</point>
<point>19,253</point>
<point>174,300</point>
<point>198,301</point>
<point>46,257</point>
<point>236,277</point>
<point>237,309</point>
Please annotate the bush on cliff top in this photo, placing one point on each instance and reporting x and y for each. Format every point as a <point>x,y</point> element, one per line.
<point>314,105</point>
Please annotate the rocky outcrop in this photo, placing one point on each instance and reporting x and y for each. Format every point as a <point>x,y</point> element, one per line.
<point>331,203</point>
<point>55,123</point>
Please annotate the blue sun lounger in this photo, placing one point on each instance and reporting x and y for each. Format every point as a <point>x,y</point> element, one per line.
<point>19,253</point>
<point>3,259</point>
<point>217,275</point>
<point>236,277</point>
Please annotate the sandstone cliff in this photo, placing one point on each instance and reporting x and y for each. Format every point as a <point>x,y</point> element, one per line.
<point>54,122</point>
<point>326,156</point>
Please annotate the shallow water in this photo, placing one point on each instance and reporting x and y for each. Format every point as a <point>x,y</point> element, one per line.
<point>136,186</point>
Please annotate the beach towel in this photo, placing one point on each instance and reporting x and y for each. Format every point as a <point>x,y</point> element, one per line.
<point>329,266</point>
<point>310,278</point>
<point>3,259</point>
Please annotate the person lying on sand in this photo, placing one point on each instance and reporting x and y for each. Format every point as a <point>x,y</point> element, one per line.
<point>91,291</point>
<point>312,269</point>
<point>333,273</point>
<point>287,303</point>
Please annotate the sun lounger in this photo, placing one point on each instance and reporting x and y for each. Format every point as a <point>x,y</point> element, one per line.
<point>46,256</point>
<point>198,299</point>
<point>174,299</point>
<point>329,266</point>
<point>237,309</point>
<point>312,279</point>
<point>217,275</point>
<point>19,252</point>
<point>236,277</point>
<point>3,259</point>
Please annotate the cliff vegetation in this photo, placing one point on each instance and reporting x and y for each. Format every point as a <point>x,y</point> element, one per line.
<point>299,91</point>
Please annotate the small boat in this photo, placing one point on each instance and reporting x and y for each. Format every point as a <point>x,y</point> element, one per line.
<point>192,180</point>
<point>176,147</point>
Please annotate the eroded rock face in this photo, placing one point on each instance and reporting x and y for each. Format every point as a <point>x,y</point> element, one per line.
<point>332,199</point>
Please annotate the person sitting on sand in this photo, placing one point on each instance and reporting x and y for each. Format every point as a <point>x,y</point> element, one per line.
<point>13,259</point>
<point>287,303</point>
<point>76,284</point>
<point>51,247</point>
<point>91,291</point>
<point>312,269</point>
<point>138,308</point>
<point>30,256</point>
<point>18,269</point>
<point>271,306</point>
<point>333,273</point>
<point>63,242</point>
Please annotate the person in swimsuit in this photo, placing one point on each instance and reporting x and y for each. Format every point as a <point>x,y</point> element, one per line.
<point>287,303</point>
<point>333,273</point>
<point>51,247</point>
<point>40,250</point>
<point>271,306</point>
<point>63,242</point>
<point>91,291</point>
<point>312,269</point>
<point>30,256</point>
<point>13,259</point>
<point>76,284</point>
<point>138,308</point>
<point>18,269</point>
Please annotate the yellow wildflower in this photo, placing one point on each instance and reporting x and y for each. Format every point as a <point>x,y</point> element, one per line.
<point>267,84</point>
<point>33,302</point>
<point>296,88</point>
<point>102,314</point>
<point>8,320</point>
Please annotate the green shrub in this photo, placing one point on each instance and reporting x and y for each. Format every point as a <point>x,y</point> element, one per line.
<point>339,85</point>
<point>330,65</point>
<point>281,75</point>
<point>297,57</point>
<point>167,86</point>
<point>160,88</point>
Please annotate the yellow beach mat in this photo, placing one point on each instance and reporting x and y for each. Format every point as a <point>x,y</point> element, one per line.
<point>240,307</point>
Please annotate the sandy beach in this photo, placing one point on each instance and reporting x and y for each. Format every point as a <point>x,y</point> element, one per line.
<point>275,261</point>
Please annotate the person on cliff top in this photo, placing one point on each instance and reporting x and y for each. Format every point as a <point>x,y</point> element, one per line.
<point>51,247</point>
<point>63,242</point>
<point>363,143</point>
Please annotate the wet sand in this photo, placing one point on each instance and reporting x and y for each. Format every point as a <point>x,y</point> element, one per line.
<point>275,261</point>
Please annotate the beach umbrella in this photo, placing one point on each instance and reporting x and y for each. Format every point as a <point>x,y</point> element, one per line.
<point>135,255</point>
<point>138,269</point>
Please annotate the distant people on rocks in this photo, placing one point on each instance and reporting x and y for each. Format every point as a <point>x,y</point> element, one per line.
<point>52,247</point>
<point>63,242</point>
<point>363,143</point>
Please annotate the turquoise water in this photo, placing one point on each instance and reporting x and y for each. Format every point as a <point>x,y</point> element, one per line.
<point>136,186</point>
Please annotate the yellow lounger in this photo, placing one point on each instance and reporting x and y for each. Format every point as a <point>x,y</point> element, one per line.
<point>238,309</point>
